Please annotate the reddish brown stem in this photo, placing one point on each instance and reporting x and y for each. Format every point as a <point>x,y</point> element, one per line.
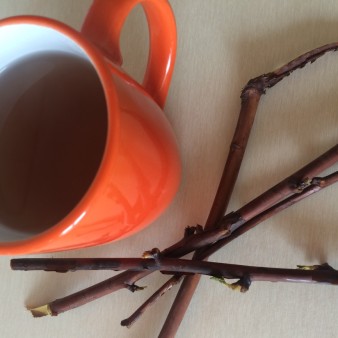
<point>125,280</point>
<point>246,274</point>
<point>314,274</point>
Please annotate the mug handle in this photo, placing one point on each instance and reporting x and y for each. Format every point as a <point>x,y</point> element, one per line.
<point>103,26</point>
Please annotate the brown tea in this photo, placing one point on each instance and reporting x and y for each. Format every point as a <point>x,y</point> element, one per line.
<point>53,125</point>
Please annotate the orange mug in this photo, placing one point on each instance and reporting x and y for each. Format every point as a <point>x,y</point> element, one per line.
<point>86,154</point>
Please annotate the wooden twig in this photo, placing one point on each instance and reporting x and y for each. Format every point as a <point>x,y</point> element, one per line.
<point>186,266</point>
<point>128,322</point>
<point>245,274</point>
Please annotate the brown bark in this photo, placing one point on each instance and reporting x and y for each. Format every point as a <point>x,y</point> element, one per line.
<point>316,274</point>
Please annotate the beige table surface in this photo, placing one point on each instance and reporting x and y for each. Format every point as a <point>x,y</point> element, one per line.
<point>222,44</point>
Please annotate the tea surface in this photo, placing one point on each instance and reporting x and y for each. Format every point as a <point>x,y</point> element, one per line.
<point>53,125</point>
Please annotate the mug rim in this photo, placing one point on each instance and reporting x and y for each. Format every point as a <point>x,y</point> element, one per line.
<point>39,242</point>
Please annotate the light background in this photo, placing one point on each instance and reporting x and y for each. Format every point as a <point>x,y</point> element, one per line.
<point>222,44</point>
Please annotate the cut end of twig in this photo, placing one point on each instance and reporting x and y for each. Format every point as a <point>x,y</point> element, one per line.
<point>126,323</point>
<point>41,311</point>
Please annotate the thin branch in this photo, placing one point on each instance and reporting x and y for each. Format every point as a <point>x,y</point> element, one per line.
<point>220,271</point>
<point>317,273</point>
<point>128,322</point>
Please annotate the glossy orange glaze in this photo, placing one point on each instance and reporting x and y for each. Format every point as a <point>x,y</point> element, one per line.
<point>140,169</point>
<point>103,26</point>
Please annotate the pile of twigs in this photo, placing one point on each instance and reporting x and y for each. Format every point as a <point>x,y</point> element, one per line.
<point>218,231</point>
